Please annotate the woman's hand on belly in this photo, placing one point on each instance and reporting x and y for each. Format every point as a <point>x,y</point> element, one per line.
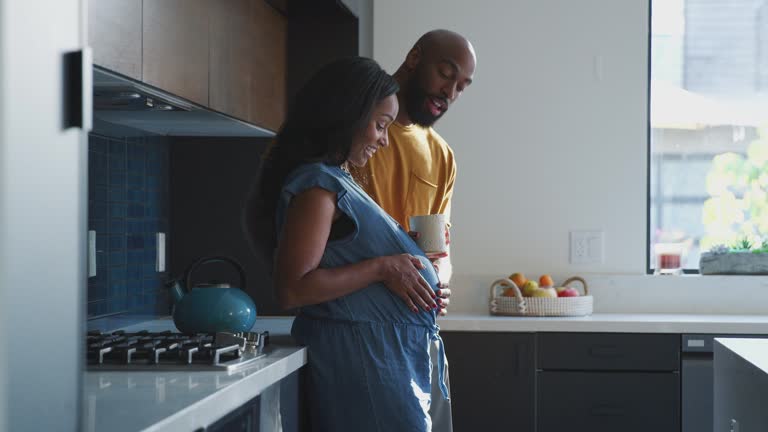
<point>400,273</point>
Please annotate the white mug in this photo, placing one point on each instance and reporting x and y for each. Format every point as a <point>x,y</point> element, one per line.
<point>431,229</point>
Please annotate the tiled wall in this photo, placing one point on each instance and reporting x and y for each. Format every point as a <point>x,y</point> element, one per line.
<point>127,206</point>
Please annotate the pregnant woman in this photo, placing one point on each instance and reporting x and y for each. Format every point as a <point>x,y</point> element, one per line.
<point>365,293</point>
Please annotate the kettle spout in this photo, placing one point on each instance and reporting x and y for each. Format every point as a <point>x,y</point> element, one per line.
<point>177,292</point>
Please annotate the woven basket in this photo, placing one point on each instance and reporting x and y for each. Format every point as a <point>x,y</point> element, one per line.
<point>538,306</point>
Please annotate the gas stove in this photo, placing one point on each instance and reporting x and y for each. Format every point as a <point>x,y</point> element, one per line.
<point>152,351</point>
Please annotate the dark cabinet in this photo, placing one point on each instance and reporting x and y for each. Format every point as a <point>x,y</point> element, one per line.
<point>268,88</point>
<point>114,33</point>
<point>607,401</point>
<point>244,419</point>
<point>277,408</point>
<point>607,382</point>
<point>492,377</point>
<point>247,63</point>
<point>608,351</point>
<point>318,31</point>
<point>175,46</point>
<point>292,41</point>
<point>740,386</point>
<point>230,56</point>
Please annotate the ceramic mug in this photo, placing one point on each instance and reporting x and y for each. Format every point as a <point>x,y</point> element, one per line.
<point>431,229</point>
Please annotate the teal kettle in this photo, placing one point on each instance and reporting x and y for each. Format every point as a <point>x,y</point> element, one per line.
<point>212,307</point>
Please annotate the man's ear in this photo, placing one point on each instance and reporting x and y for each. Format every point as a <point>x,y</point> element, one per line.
<point>413,58</point>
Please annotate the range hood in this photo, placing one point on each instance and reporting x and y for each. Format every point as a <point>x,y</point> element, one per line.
<point>127,107</point>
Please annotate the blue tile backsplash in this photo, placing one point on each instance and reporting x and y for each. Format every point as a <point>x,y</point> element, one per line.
<point>127,206</point>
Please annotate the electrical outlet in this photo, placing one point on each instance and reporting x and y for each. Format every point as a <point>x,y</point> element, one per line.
<point>586,247</point>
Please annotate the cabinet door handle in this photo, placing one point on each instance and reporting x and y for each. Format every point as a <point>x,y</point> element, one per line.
<point>605,351</point>
<point>78,89</point>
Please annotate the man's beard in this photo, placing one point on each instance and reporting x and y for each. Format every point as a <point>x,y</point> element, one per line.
<point>415,99</point>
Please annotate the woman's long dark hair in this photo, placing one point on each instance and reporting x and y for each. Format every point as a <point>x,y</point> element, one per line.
<point>322,122</point>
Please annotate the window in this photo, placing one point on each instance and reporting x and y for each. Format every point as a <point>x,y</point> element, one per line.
<point>709,125</point>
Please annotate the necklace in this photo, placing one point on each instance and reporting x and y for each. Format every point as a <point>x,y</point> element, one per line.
<point>345,168</point>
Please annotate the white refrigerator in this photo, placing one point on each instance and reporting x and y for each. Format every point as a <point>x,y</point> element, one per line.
<point>44,119</point>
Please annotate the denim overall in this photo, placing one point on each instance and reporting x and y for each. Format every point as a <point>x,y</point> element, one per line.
<point>369,363</point>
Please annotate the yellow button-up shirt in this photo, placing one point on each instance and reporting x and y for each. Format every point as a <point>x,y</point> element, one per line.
<point>414,175</point>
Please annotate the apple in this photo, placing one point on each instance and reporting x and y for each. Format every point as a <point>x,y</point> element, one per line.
<point>567,292</point>
<point>529,287</point>
<point>544,292</point>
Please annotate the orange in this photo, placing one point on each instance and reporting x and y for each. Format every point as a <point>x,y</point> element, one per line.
<point>518,279</point>
<point>546,281</point>
<point>509,292</point>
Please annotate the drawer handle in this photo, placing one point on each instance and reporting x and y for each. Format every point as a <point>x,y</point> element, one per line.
<point>605,351</point>
<point>607,411</point>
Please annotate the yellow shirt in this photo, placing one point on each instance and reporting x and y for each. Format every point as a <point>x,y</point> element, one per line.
<point>414,175</point>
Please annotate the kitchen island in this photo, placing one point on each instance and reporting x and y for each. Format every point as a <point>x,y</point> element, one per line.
<point>190,400</point>
<point>741,384</point>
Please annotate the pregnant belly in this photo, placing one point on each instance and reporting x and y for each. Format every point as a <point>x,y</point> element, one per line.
<point>429,272</point>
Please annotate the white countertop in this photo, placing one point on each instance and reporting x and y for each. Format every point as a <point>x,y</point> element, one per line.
<point>754,351</point>
<point>182,401</point>
<point>607,322</point>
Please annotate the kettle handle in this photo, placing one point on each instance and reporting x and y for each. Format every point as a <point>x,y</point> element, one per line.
<point>213,259</point>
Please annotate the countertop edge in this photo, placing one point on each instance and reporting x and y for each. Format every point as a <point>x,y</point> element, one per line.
<point>214,407</point>
<point>610,323</point>
<point>220,401</point>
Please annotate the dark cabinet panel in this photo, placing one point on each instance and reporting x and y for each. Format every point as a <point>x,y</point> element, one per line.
<point>278,408</point>
<point>608,401</point>
<point>740,386</point>
<point>492,379</point>
<point>232,47</point>
<point>210,178</point>
<point>608,351</point>
<point>318,31</point>
<point>114,33</point>
<point>175,48</point>
<point>244,419</point>
<point>247,64</point>
<point>268,89</point>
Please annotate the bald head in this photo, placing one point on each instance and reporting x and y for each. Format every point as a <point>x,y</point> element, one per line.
<point>438,40</point>
<point>438,68</point>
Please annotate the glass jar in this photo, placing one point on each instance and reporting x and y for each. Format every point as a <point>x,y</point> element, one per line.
<point>669,258</point>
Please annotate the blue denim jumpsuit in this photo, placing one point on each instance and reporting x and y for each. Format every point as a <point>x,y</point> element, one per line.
<point>369,364</point>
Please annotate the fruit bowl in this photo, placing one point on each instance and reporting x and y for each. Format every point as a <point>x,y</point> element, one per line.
<point>538,306</point>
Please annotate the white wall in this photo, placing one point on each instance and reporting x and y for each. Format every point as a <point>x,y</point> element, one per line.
<point>551,137</point>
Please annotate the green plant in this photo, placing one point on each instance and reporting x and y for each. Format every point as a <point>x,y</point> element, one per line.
<point>743,244</point>
<point>738,203</point>
<point>763,248</point>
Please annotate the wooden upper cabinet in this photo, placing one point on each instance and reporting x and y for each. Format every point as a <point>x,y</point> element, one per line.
<point>114,33</point>
<point>247,63</point>
<point>232,47</point>
<point>176,46</point>
<point>270,56</point>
